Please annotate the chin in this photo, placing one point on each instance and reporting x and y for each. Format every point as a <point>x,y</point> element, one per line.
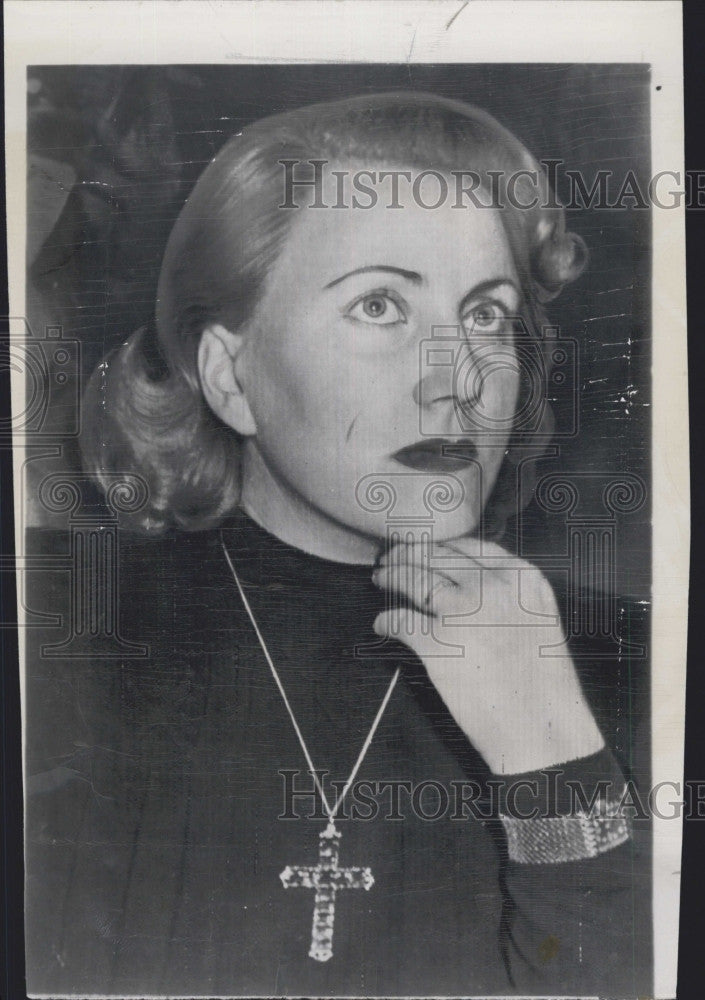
<point>446,505</point>
<point>445,529</point>
<point>440,527</point>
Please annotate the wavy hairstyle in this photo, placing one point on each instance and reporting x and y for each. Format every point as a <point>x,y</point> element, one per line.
<point>144,409</point>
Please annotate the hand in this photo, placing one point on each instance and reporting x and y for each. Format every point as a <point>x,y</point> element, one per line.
<point>479,620</point>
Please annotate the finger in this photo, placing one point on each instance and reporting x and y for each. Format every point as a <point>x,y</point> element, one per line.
<point>487,555</point>
<point>416,630</point>
<point>419,553</point>
<point>417,550</point>
<point>428,567</point>
<point>426,589</point>
<point>453,556</point>
<point>409,626</point>
<point>493,595</point>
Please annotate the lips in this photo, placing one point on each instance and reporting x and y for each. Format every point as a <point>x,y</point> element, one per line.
<point>437,455</point>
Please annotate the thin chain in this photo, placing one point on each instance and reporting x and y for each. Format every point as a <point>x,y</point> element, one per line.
<point>331,813</point>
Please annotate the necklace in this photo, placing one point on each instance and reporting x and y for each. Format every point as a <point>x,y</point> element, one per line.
<point>326,877</point>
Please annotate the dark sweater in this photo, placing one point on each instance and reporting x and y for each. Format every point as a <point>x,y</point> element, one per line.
<point>155,841</point>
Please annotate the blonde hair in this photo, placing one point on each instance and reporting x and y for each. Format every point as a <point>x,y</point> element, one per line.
<point>144,410</point>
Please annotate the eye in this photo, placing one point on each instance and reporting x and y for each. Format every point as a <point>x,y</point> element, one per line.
<point>377,308</point>
<point>486,317</point>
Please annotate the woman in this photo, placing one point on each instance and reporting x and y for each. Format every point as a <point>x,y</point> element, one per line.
<point>332,637</point>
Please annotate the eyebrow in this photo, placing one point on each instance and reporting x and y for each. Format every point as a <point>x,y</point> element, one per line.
<point>416,279</point>
<point>488,286</point>
<point>412,276</point>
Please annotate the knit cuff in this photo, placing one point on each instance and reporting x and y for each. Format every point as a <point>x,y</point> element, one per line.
<point>575,812</point>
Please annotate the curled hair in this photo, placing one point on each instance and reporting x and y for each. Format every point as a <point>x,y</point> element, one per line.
<point>144,409</point>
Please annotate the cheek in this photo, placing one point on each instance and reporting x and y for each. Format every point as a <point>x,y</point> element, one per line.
<point>304,405</point>
<point>280,379</point>
<point>338,391</point>
<point>500,397</point>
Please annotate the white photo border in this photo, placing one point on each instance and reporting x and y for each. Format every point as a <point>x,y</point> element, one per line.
<point>65,32</point>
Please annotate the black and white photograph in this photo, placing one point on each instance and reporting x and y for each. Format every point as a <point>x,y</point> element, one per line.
<point>346,498</point>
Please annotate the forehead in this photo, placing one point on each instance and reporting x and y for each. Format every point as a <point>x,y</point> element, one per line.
<point>455,242</point>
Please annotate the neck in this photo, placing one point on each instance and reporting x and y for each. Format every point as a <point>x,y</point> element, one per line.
<point>282,512</point>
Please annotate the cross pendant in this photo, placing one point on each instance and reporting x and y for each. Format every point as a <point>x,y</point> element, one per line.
<point>326,878</point>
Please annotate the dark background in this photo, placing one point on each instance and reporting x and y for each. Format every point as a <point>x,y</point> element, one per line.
<point>114,151</point>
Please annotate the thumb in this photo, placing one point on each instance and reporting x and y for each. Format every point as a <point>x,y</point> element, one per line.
<point>414,629</point>
<point>398,622</point>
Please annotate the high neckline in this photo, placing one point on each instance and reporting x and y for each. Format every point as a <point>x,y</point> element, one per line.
<point>262,557</point>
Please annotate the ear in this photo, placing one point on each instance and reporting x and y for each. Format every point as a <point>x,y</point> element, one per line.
<point>217,353</point>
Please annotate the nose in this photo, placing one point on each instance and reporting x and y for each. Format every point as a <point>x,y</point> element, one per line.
<point>438,384</point>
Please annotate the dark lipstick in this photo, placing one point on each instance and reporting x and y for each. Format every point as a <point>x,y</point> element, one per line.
<point>437,455</point>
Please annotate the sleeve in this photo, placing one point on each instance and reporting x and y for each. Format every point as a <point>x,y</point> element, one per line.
<point>95,752</point>
<point>577,878</point>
